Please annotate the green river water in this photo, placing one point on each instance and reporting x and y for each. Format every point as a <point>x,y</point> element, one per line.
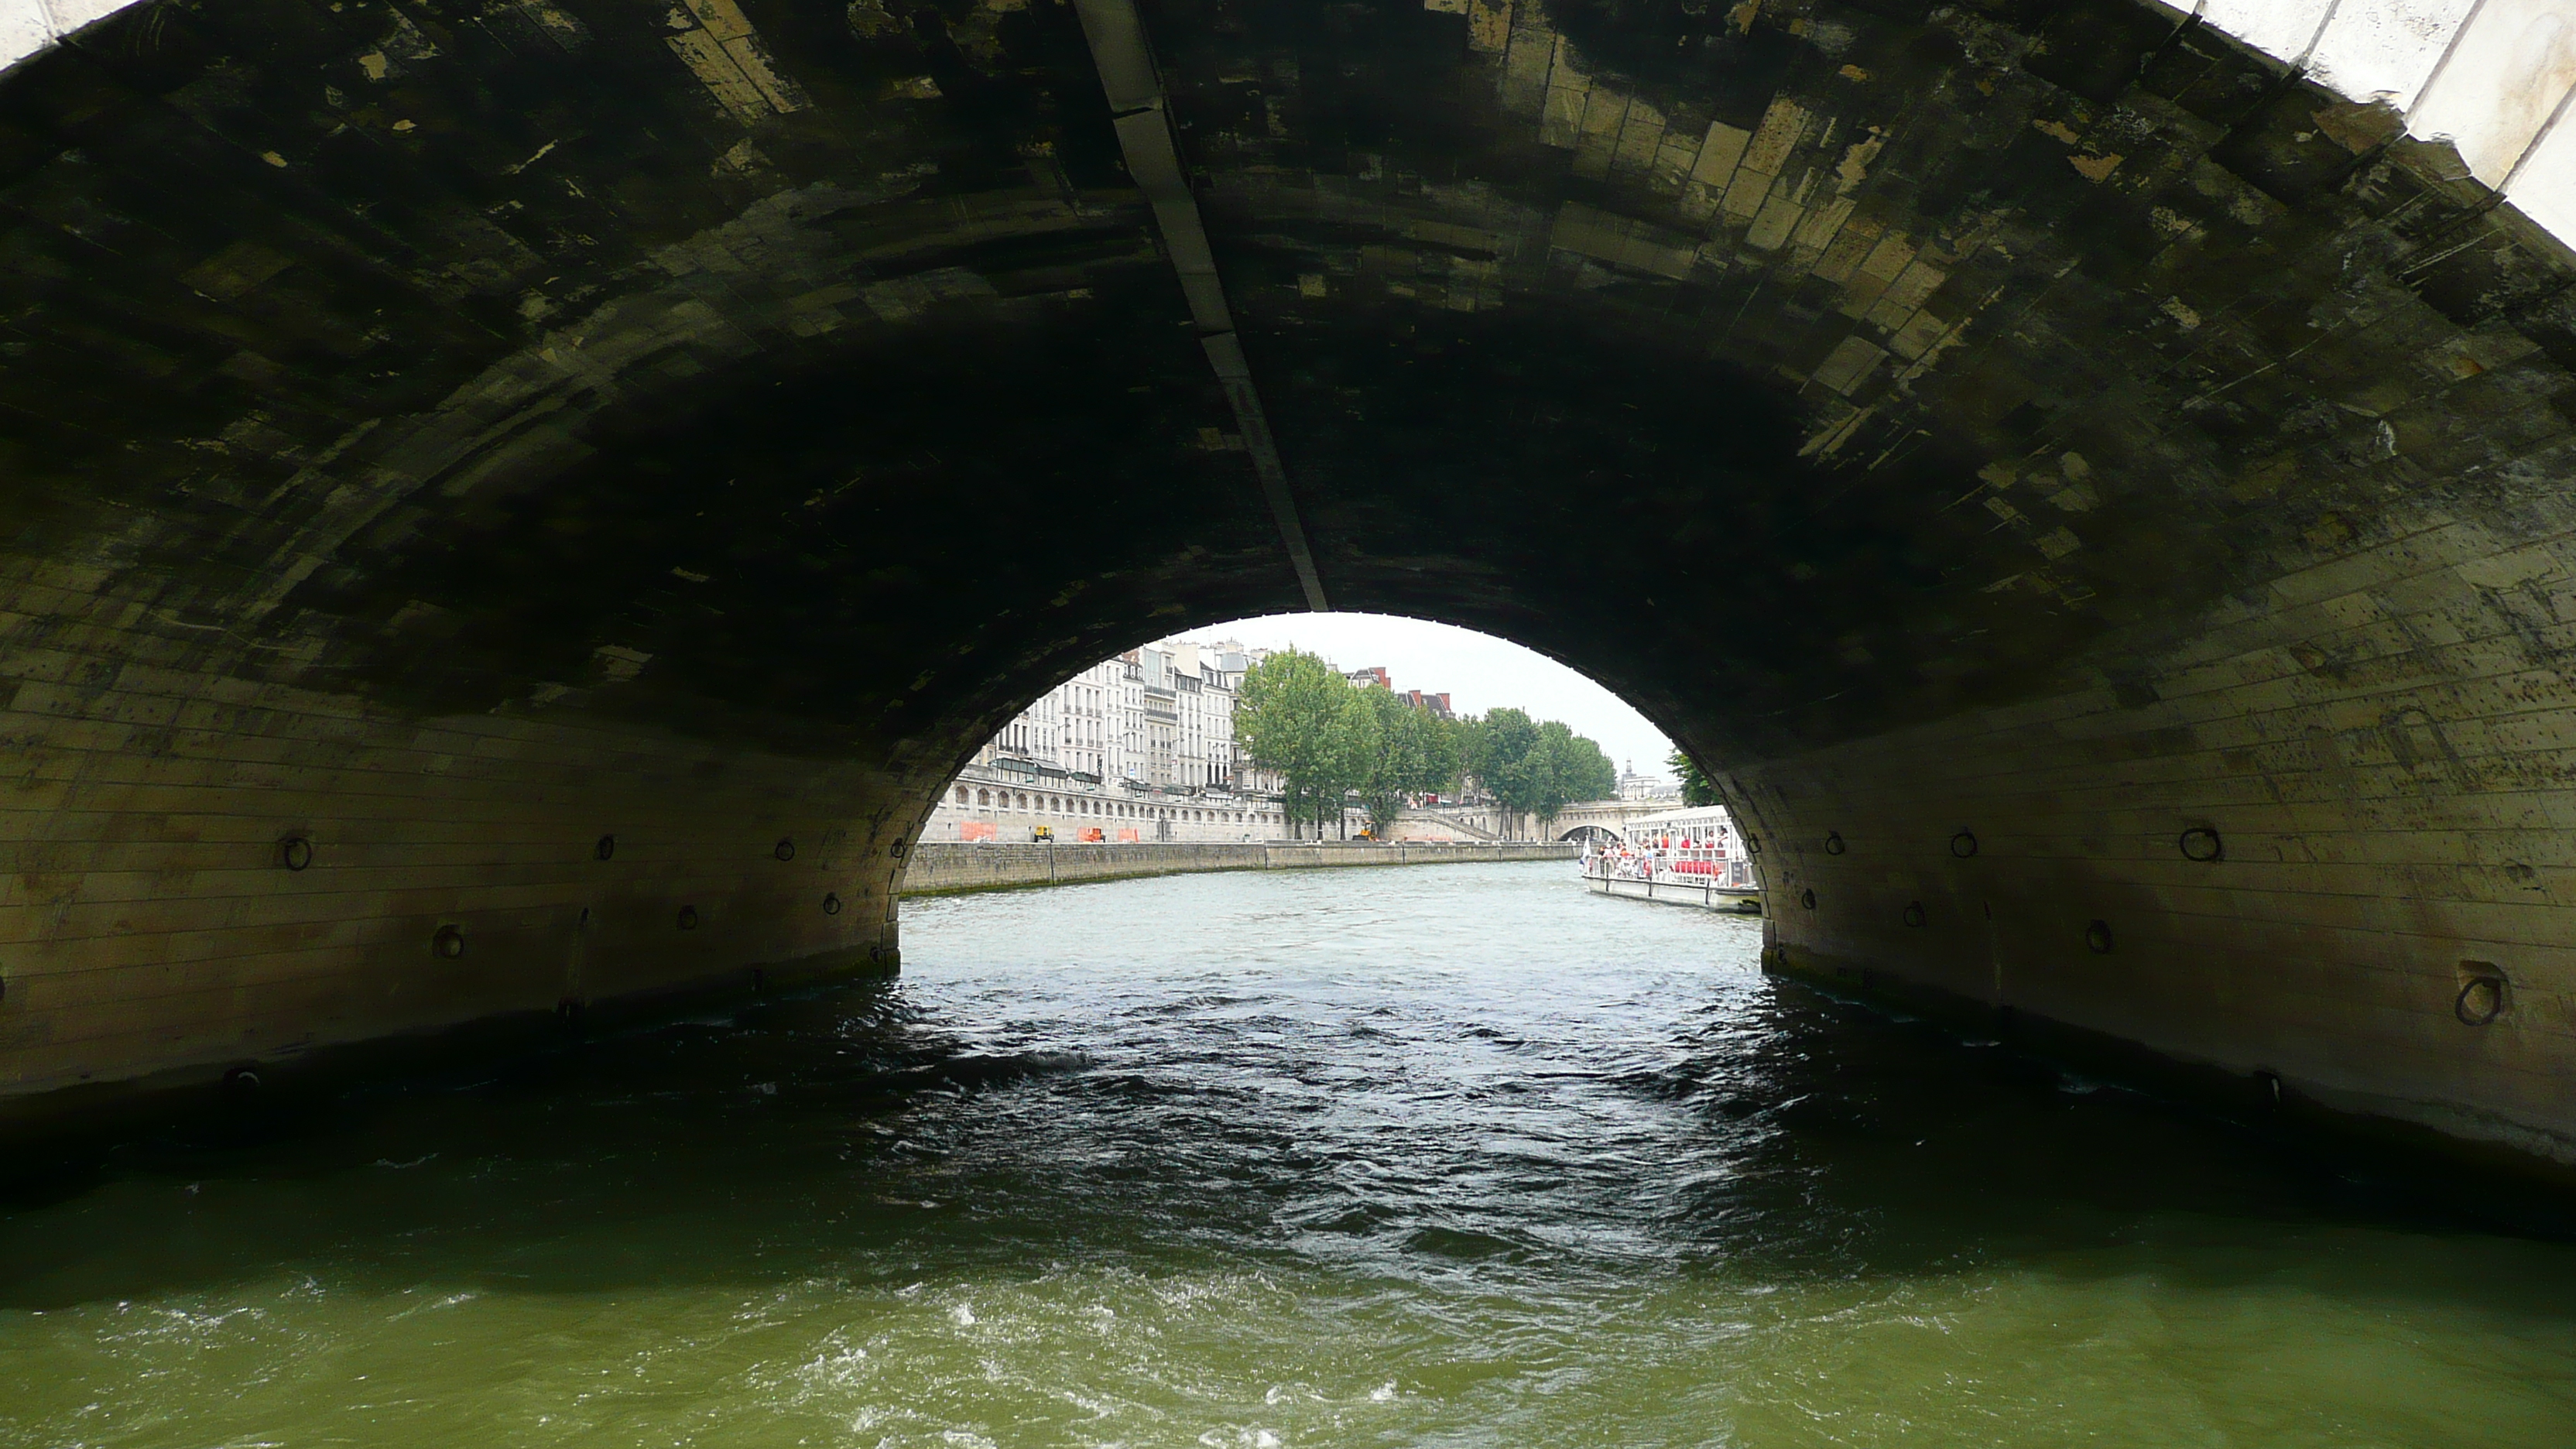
<point>1436,1157</point>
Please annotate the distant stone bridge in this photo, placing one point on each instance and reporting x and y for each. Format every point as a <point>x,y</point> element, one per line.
<point>1612,816</point>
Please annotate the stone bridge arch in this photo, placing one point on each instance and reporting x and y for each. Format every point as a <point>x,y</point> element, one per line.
<point>522,505</point>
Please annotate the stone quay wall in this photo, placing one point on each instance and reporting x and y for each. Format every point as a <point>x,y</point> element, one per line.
<point>943,867</point>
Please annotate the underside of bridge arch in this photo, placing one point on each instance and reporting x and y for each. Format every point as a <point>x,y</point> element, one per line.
<point>589,471</point>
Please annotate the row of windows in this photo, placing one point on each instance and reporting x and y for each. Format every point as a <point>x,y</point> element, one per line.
<point>1075,805</point>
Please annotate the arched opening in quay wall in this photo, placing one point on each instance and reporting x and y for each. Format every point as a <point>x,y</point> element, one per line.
<point>522,508</point>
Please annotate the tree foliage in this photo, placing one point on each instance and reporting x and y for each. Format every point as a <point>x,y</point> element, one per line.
<point>1405,752</point>
<point>1510,762</point>
<point>1448,745</point>
<point>1297,715</point>
<point>1577,769</point>
<point>1534,767</point>
<point>1697,789</point>
<point>1466,743</point>
<point>1327,739</point>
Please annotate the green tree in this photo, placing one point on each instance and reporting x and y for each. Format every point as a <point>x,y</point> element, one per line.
<point>1467,743</point>
<point>1534,768</point>
<point>1697,789</point>
<point>1554,755</point>
<point>1354,744</point>
<point>1511,761</point>
<point>1578,769</point>
<point>1573,768</point>
<point>1405,751</point>
<point>1298,716</point>
<point>1447,744</point>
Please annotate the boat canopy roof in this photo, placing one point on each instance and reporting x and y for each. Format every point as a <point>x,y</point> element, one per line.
<point>1697,820</point>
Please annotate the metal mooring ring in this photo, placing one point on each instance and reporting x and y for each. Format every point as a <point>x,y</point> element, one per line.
<point>1914,913</point>
<point>1963,844</point>
<point>688,918</point>
<point>1833,842</point>
<point>1807,899</point>
<point>606,847</point>
<point>784,850</point>
<point>831,904</point>
<point>2201,843</point>
<point>295,852</point>
<point>2495,1000</point>
<point>448,943</point>
<point>2097,938</point>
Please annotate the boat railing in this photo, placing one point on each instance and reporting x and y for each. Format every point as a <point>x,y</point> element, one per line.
<point>1699,865</point>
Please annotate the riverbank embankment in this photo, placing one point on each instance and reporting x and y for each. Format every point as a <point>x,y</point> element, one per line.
<point>946,867</point>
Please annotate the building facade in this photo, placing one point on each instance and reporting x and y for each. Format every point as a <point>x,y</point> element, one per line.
<point>1137,747</point>
<point>1635,786</point>
<point>1073,727</point>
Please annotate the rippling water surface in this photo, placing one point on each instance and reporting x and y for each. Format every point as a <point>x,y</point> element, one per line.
<point>1455,1156</point>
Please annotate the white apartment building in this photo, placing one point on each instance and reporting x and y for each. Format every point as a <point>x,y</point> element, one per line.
<point>1158,717</point>
<point>1072,727</point>
<point>1203,684</point>
<point>1145,737</point>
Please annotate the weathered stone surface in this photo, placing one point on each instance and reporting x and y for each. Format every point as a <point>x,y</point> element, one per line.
<point>454,432</point>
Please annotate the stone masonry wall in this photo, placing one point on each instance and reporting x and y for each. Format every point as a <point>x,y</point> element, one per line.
<point>205,870</point>
<point>2371,757</point>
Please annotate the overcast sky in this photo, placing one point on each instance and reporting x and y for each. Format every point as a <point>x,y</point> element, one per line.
<point>1478,671</point>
